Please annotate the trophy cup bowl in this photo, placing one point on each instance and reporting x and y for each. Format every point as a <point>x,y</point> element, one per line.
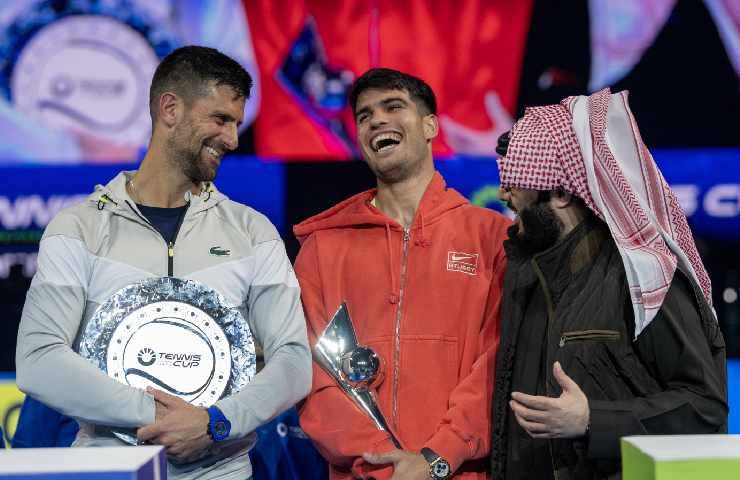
<point>361,366</point>
<point>353,366</point>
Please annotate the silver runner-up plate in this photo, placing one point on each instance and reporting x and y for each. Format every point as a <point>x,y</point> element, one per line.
<point>175,335</point>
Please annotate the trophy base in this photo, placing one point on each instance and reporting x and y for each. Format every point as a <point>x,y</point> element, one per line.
<point>127,435</point>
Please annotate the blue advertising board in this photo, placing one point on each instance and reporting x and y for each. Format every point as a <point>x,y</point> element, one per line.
<point>31,195</point>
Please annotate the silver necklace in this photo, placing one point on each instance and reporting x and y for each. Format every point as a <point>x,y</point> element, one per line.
<point>132,191</point>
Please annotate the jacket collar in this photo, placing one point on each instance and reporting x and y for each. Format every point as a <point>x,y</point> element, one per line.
<point>357,210</point>
<point>115,196</point>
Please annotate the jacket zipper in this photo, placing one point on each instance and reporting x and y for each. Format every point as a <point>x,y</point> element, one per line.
<point>399,310</point>
<point>170,259</point>
<point>171,244</point>
<point>550,320</point>
<point>611,335</point>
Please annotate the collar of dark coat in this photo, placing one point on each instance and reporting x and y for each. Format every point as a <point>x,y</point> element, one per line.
<point>566,259</point>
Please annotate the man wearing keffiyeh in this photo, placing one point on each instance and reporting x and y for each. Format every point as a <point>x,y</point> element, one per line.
<point>607,322</point>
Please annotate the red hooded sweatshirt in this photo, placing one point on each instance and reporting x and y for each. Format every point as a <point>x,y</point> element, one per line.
<point>427,301</point>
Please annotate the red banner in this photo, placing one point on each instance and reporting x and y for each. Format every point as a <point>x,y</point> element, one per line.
<point>309,53</point>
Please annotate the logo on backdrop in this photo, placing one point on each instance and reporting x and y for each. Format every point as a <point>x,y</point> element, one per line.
<point>83,68</point>
<point>87,73</point>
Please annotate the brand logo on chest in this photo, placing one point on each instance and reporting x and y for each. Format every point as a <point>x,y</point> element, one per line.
<point>219,252</point>
<point>462,262</point>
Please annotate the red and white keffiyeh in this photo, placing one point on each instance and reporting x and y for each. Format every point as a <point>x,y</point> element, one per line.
<point>590,146</point>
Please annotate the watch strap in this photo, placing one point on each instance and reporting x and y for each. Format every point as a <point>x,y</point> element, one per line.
<point>219,427</point>
<point>429,454</point>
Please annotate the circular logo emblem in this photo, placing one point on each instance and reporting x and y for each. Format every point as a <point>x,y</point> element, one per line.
<point>146,356</point>
<point>89,74</point>
<point>172,346</point>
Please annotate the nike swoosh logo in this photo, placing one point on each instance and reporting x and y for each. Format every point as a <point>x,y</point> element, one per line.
<point>457,258</point>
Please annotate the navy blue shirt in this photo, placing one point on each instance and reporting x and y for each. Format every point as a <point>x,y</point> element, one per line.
<point>165,220</point>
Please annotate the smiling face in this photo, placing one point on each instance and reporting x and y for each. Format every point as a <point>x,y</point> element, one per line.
<point>206,130</point>
<point>394,134</point>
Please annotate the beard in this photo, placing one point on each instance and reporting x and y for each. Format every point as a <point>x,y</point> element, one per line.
<point>188,158</point>
<point>542,229</point>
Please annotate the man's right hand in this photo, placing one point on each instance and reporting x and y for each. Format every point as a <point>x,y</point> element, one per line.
<point>180,427</point>
<point>160,409</point>
<point>406,465</point>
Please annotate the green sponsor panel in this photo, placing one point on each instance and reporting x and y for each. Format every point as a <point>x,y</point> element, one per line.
<point>636,465</point>
<point>681,457</point>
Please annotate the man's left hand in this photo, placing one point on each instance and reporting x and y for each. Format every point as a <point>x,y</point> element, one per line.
<point>406,465</point>
<point>183,429</point>
<point>566,416</point>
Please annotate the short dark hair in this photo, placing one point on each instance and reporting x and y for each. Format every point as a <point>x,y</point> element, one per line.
<point>389,79</point>
<point>187,71</point>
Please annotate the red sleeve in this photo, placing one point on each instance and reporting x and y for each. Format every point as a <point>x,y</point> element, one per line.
<point>465,431</point>
<point>340,430</point>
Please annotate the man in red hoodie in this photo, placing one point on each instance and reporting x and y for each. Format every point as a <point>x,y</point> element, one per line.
<point>420,269</point>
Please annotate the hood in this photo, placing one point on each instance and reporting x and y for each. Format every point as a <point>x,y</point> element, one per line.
<point>357,211</point>
<point>114,195</point>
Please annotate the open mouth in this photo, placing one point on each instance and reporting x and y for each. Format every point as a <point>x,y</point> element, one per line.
<point>214,153</point>
<point>385,141</point>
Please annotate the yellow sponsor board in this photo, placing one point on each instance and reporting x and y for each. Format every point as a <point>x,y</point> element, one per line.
<point>11,400</point>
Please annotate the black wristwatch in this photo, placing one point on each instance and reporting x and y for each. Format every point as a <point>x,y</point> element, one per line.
<point>439,468</point>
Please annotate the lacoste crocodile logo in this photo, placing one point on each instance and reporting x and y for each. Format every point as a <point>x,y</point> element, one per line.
<point>217,251</point>
<point>462,262</point>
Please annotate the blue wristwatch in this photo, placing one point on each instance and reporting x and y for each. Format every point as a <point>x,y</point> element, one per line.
<point>219,426</point>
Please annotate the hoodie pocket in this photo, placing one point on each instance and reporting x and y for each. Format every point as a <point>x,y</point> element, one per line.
<point>582,335</point>
<point>585,352</point>
<point>429,371</point>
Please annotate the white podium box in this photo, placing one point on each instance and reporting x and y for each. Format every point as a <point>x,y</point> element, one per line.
<point>681,457</point>
<point>85,463</point>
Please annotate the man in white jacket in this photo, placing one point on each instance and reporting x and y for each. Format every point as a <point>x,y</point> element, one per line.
<point>167,219</point>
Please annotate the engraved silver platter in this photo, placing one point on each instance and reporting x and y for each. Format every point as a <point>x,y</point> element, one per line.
<point>175,335</point>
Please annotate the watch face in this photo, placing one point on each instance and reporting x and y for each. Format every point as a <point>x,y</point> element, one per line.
<point>219,428</point>
<point>441,469</point>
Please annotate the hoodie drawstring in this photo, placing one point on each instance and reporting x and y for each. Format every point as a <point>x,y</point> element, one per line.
<point>104,198</point>
<point>422,241</point>
<point>393,296</point>
<point>209,189</point>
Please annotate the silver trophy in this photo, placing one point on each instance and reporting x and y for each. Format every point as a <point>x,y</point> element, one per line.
<point>175,335</point>
<point>353,366</point>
